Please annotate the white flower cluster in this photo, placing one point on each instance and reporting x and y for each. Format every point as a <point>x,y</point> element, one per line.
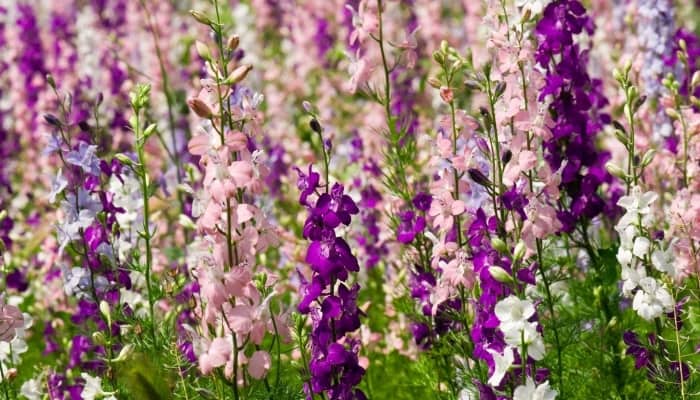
<point>519,333</point>
<point>637,251</point>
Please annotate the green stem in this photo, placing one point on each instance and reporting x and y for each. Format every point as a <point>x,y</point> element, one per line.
<point>146,234</point>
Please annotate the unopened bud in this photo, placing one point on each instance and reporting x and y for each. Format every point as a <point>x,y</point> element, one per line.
<point>478,177</point>
<point>434,82</point>
<point>507,156</point>
<point>124,159</point>
<point>500,88</point>
<point>186,222</point>
<point>672,113</point>
<point>615,170</point>
<point>200,107</point>
<point>648,157</point>
<point>202,50</point>
<point>315,125</point>
<point>52,120</point>
<point>519,251</point>
<point>200,17</point>
<point>307,106</point>
<point>238,74</point>
<point>499,245</point>
<point>500,274</point>
<point>617,74</point>
<point>233,42</point>
<point>125,352</point>
<point>695,81</point>
<point>104,309</point>
<point>51,81</point>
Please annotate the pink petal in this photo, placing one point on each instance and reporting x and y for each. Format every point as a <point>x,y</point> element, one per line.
<point>259,364</point>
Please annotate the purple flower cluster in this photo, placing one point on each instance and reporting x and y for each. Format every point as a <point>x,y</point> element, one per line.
<point>332,304</point>
<point>575,105</point>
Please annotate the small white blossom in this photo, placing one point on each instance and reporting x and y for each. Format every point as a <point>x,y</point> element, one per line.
<point>530,391</point>
<point>637,204</point>
<point>652,300</point>
<point>502,363</point>
<point>641,246</point>
<point>535,6</point>
<point>662,260</point>
<point>93,388</point>
<point>31,390</point>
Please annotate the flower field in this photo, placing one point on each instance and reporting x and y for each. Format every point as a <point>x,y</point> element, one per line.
<point>350,199</point>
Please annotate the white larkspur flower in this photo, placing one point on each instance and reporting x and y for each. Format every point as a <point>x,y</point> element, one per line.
<point>31,390</point>
<point>641,246</point>
<point>502,363</point>
<point>530,391</point>
<point>93,388</point>
<point>535,6</point>
<point>637,204</point>
<point>662,260</point>
<point>652,300</point>
<point>513,313</point>
<point>630,279</point>
<point>529,336</point>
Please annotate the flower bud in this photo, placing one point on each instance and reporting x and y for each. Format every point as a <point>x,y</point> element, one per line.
<point>672,113</point>
<point>51,81</point>
<point>478,177</point>
<point>200,107</point>
<point>315,125</point>
<point>500,88</point>
<point>307,106</point>
<point>233,42</point>
<point>104,309</point>
<point>695,81</point>
<point>617,74</point>
<point>202,50</point>
<point>238,74</point>
<point>519,251</point>
<point>500,274</point>
<point>125,352</point>
<point>124,159</point>
<point>434,82</point>
<point>186,222</point>
<point>52,120</point>
<point>499,245</point>
<point>639,103</point>
<point>507,156</point>
<point>648,157</point>
<point>200,17</point>
<point>615,170</point>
